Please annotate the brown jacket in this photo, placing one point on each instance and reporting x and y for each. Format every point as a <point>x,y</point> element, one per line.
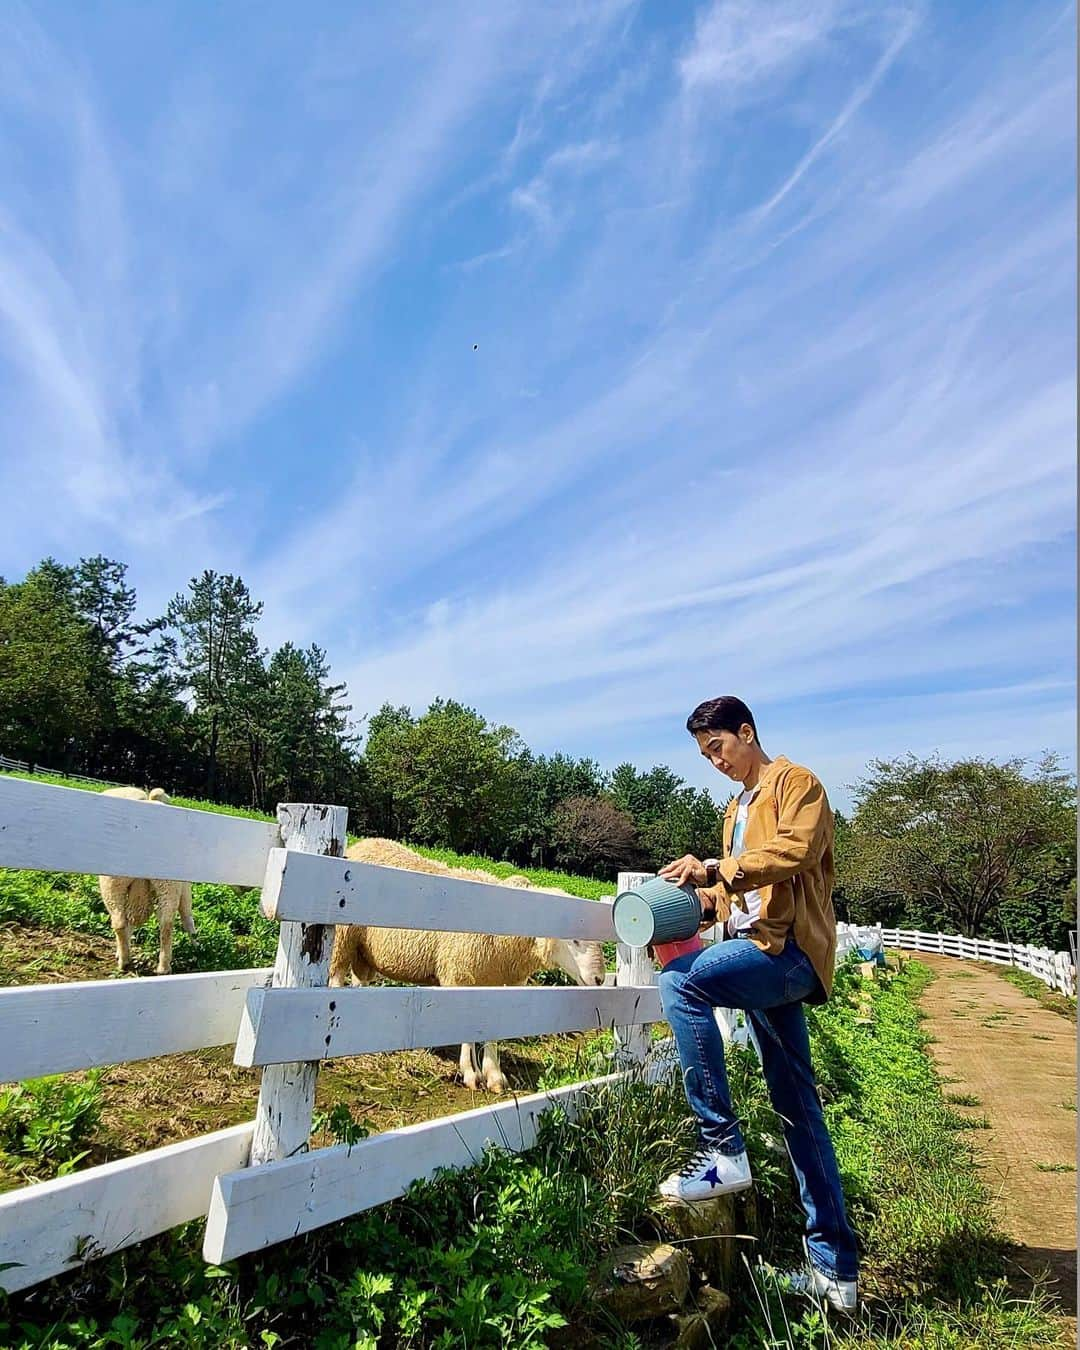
<point>788,857</point>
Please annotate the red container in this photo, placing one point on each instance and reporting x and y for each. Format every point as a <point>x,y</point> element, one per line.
<point>666,952</point>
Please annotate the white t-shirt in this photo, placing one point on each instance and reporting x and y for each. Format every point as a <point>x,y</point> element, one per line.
<point>738,921</point>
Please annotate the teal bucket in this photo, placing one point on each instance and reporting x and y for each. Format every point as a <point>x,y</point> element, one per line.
<point>655,912</point>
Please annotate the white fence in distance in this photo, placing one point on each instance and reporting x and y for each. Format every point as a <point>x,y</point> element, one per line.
<point>8,765</point>
<point>286,1021</point>
<point>1055,969</point>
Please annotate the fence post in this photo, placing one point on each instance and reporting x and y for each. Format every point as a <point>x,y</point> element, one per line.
<point>287,1092</point>
<point>633,966</point>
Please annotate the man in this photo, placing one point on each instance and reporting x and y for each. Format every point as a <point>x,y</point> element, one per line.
<point>772,897</point>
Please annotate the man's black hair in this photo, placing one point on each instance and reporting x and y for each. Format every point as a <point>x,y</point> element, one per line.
<point>722,714</point>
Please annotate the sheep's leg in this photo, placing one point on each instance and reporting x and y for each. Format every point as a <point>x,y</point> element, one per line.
<point>122,932</point>
<point>341,960</point>
<point>469,1070</point>
<point>169,896</point>
<point>493,1074</point>
<point>187,921</point>
<point>164,964</point>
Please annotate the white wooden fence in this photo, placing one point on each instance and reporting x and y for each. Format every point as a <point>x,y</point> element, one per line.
<point>260,1182</point>
<point>1055,969</point>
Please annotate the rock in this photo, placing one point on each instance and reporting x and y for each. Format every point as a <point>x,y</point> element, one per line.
<point>715,1231</point>
<point>703,1327</point>
<point>644,1280</point>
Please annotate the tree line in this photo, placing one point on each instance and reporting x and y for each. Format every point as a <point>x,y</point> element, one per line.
<point>192,701</point>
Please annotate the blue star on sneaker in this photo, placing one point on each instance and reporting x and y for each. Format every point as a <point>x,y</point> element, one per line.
<point>709,1173</point>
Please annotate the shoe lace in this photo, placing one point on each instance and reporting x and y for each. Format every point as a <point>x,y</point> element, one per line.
<point>696,1162</point>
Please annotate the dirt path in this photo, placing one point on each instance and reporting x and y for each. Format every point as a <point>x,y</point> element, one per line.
<point>1019,1060</point>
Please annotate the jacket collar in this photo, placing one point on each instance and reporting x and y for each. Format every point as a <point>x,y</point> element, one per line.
<point>769,772</point>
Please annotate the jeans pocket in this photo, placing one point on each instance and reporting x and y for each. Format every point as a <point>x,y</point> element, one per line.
<point>799,980</point>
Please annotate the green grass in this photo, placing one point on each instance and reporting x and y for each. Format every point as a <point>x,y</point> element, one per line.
<point>1055,1167</point>
<point>962,1099</point>
<point>1034,988</point>
<point>45,1121</point>
<point>502,1254</point>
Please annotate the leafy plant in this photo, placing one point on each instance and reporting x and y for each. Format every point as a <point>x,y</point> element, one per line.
<point>340,1124</point>
<point>45,1121</point>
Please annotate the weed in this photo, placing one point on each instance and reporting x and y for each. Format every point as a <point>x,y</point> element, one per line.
<point>962,1099</point>
<point>339,1124</point>
<point>955,1121</point>
<point>1055,1167</point>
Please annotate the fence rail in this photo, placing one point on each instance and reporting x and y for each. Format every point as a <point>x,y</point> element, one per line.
<point>259,1182</point>
<point>57,1028</point>
<point>60,829</point>
<point>1055,969</point>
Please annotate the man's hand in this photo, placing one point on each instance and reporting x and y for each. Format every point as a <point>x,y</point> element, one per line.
<point>685,869</point>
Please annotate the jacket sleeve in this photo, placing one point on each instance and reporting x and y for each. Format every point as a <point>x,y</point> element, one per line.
<point>802,834</point>
<point>716,897</point>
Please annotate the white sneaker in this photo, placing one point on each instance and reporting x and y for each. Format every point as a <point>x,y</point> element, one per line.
<point>709,1173</point>
<point>840,1295</point>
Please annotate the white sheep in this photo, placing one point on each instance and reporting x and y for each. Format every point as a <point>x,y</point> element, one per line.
<point>130,900</point>
<point>414,956</point>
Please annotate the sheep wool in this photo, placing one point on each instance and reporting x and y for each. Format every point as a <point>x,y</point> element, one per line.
<point>131,900</point>
<point>436,958</point>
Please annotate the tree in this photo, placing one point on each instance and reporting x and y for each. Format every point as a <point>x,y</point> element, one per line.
<point>690,824</point>
<point>670,817</point>
<point>222,667</point>
<point>541,782</point>
<point>107,604</point>
<point>390,762</point>
<point>307,740</point>
<point>963,845</point>
<point>446,778</point>
<point>592,835</point>
<point>46,704</point>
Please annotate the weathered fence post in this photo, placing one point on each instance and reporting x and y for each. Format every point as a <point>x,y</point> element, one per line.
<point>287,1093</point>
<point>633,966</point>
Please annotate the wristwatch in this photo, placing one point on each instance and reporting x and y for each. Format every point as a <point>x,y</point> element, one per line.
<point>712,871</point>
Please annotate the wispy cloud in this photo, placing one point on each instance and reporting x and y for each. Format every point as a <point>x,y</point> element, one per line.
<point>855,101</point>
<point>740,45</point>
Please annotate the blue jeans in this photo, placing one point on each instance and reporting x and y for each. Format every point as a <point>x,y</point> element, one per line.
<point>737,974</point>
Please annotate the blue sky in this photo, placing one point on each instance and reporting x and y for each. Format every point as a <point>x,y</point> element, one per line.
<point>576,360</point>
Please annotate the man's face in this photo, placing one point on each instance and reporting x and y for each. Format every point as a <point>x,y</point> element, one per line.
<point>730,752</point>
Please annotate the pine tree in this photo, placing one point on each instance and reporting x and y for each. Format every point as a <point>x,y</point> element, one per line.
<point>221,667</point>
